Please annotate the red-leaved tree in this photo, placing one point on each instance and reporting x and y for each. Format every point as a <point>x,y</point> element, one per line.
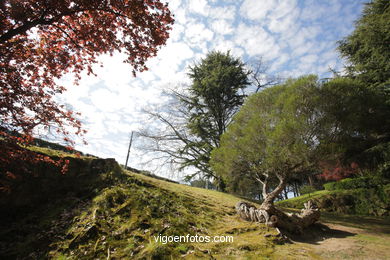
<point>41,40</point>
<point>335,171</point>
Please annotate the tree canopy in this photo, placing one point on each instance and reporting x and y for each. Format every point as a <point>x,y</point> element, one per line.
<point>215,95</point>
<point>204,110</point>
<point>367,48</point>
<point>40,41</point>
<point>271,137</point>
<point>304,127</point>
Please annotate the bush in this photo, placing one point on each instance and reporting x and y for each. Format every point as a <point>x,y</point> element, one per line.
<point>330,186</point>
<point>305,189</point>
<point>354,183</point>
<point>373,201</point>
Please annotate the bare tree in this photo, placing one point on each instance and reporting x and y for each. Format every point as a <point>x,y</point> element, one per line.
<point>259,75</point>
<point>169,141</point>
<point>190,125</point>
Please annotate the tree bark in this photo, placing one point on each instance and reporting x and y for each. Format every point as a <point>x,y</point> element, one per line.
<point>311,182</point>
<point>271,196</point>
<point>271,216</point>
<point>285,192</point>
<point>220,184</point>
<point>296,189</point>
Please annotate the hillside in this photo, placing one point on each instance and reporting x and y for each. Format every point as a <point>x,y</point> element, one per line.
<point>99,211</point>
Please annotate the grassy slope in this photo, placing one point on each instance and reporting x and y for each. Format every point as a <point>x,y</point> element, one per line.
<point>120,218</point>
<point>53,152</point>
<point>297,202</point>
<point>131,214</point>
<point>216,211</point>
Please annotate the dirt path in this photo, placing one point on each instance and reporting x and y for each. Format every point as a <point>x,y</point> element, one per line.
<point>338,241</point>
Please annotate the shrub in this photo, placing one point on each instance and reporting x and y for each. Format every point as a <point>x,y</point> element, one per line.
<point>305,189</point>
<point>373,201</point>
<point>354,183</point>
<point>330,186</point>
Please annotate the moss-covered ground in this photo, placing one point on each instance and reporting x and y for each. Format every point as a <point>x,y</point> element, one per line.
<point>120,220</point>
<point>121,214</point>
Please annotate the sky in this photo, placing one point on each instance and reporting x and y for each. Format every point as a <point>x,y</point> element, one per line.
<point>294,37</point>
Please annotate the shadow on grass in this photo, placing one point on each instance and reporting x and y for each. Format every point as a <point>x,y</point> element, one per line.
<point>29,235</point>
<point>319,232</point>
<point>369,223</point>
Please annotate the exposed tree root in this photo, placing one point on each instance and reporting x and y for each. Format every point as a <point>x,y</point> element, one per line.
<point>273,217</point>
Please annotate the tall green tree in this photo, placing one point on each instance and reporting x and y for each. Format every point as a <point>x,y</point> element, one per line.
<point>215,95</point>
<point>358,123</point>
<point>367,48</point>
<point>202,113</point>
<point>272,137</point>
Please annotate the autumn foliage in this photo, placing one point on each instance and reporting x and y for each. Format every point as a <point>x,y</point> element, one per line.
<point>335,171</point>
<point>41,40</point>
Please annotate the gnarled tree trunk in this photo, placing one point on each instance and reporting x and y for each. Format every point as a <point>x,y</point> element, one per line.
<point>271,216</point>
<point>274,217</point>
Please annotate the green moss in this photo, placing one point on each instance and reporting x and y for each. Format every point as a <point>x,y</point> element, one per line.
<point>119,213</point>
<point>54,153</point>
<point>104,211</point>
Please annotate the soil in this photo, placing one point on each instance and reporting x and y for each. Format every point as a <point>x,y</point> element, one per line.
<point>328,240</point>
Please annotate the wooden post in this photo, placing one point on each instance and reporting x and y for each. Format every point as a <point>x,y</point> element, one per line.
<point>128,151</point>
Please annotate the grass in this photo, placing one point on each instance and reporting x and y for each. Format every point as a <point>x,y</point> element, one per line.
<point>360,201</point>
<point>119,213</point>
<point>372,224</point>
<point>297,202</point>
<point>120,218</point>
<point>248,239</point>
<point>54,153</point>
<point>345,236</point>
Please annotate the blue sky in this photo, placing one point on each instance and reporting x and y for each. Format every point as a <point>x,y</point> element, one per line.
<point>294,37</point>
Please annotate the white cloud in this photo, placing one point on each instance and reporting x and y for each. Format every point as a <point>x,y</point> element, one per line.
<point>306,47</point>
<point>280,22</point>
<point>170,60</point>
<point>284,9</point>
<point>105,100</point>
<point>227,12</point>
<point>221,44</point>
<point>256,41</point>
<point>255,9</point>
<point>199,6</point>
<point>279,62</point>
<point>296,37</point>
<point>177,32</point>
<point>310,59</point>
<point>174,4</point>
<point>222,27</point>
<point>197,35</point>
<point>180,16</point>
